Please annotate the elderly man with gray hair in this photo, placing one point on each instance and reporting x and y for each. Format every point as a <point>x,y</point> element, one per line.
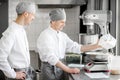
<point>14,50</point>
<point>52,45</point>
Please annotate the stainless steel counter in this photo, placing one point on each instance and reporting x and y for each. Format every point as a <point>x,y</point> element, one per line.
<point>82,76</point>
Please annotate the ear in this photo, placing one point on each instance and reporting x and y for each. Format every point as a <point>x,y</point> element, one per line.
<point>25,14</point>
<point>53,22</point>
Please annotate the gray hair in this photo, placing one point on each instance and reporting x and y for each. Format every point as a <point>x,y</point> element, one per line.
<point>25,7</point>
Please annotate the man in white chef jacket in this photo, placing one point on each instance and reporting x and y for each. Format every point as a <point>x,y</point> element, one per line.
<point>14,50</point>
<point>52,45</point>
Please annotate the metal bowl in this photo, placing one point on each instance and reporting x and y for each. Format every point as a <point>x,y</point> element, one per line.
<point>98,56</point>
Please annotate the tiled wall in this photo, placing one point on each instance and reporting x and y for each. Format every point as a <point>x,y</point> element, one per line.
<point>42,21</point>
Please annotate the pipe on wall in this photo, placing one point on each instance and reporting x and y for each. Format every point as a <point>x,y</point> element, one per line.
<point>118,27</point>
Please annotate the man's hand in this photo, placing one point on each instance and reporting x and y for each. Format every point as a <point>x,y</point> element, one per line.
<point>67,69</point>
<point>20,75</point>
<point>73,70</point>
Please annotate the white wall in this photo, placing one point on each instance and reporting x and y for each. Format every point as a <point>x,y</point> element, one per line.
<point>42,21</point>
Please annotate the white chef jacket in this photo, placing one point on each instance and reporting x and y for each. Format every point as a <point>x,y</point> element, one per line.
<point>53,45</point>
<point>14,52</point>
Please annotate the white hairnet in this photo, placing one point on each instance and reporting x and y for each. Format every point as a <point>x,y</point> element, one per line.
<point>58,14</point>
<point>25,7</point>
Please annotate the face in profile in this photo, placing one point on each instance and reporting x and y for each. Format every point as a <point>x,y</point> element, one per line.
<point>29,17</point>
<point>58,25</point>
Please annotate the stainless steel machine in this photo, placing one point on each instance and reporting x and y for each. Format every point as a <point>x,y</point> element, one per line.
<point>98,60</point>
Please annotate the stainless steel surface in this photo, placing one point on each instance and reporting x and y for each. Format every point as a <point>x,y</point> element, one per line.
<point>98,55</point>
<point>82,76</point>
<point>88,39</point>
<point>59,3</point>
<point>102,18</point>
<point>101,67</point>
<point>74,2</point>
<point>97,61</point>
<point>117,27</point>
<point>37,77</point>
<point>99,17</point>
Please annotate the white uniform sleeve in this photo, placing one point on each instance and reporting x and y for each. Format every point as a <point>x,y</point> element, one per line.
<point>73,46</point>
<point>6,43</point>
<point>44,45</point>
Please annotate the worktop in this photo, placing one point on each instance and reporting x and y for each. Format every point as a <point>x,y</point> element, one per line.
<point>83,76</point>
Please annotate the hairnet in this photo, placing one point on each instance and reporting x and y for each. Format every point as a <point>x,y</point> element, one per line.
<point>25,7</point>
<point>58,14</point>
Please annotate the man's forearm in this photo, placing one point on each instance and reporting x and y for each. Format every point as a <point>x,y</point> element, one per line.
<point>62,66</point>
<point>66,68</point>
